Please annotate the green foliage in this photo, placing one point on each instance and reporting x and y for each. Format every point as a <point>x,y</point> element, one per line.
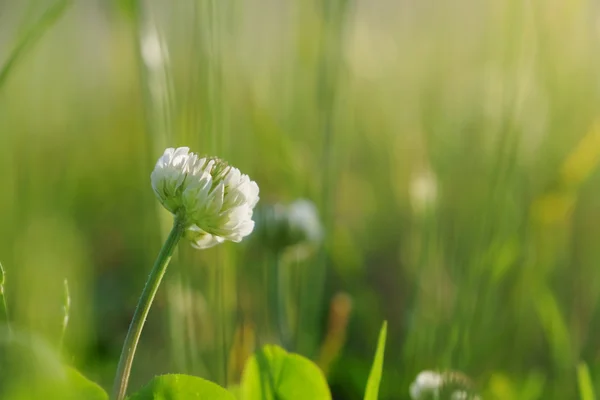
<point>274,374</point>
<point>181,387</point>
<point>79,387</point>
<point>459,178</point>
<point>236,390</point>
<point>26,361</point>
<point>372,391</point>
<point>76,389</point>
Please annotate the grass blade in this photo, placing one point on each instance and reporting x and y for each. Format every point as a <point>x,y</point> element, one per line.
<point>586,388</point>
<point>372,391</point>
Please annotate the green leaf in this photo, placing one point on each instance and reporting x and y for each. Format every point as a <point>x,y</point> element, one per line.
<point>31,369</point>
<point>586,388</point>
<point>26,363</point>
<point>181,387</point>
<point>372,391</point>
<point>82,388</point>
<point>236,391</point>
<point>274,374</point>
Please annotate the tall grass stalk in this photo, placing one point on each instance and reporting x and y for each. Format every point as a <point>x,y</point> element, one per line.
<point>157,90</point>
<point>208,40</point>
<point>155,76</point>
<point>333,15</point>
<point>31,36</point>
<point>277,300</point>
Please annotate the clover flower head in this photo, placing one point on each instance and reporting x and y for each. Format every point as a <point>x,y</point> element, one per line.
<point>214,200</point>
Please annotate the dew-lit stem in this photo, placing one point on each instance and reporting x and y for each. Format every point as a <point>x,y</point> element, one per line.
<point>66,313</point>
<point>4,311</point>
<point>142,309</point>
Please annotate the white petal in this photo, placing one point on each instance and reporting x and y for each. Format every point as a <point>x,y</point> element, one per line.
<point>233,199</point>
<point>207,241</point>
<point>166,157</point>
<point>196,193</point>
<point>215,200</point>
<point>233,177</point>
<point>190,163</point>
<point>180,156</point>
<point>252,194</point>
<point>245,228</point>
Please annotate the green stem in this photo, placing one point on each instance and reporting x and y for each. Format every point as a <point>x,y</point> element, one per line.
<point>142,309</point>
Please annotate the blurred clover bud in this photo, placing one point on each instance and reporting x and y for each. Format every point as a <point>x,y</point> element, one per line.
<point>214,200</point>
<point>426,386</point>
<point>2,277</point>
<point>295,225</point>
<point>463,395</point>
<point>450,385</point>
<point>423,192</point>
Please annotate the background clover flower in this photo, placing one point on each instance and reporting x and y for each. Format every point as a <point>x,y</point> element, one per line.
<point>295,225</point>
<point>304,221</point>
<point>449,385</point>
<point>426,386</point>
<point>214,200</point>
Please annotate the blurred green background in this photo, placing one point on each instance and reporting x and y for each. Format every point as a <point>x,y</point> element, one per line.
<point>451,149</point>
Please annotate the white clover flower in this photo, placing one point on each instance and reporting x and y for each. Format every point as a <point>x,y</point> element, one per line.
<point>426,385</point>
<point>215,201</point>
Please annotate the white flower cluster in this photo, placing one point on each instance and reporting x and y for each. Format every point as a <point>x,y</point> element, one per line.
<point>214,200</point>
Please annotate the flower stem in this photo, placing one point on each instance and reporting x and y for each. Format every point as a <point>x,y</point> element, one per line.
<point>142,309</point>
